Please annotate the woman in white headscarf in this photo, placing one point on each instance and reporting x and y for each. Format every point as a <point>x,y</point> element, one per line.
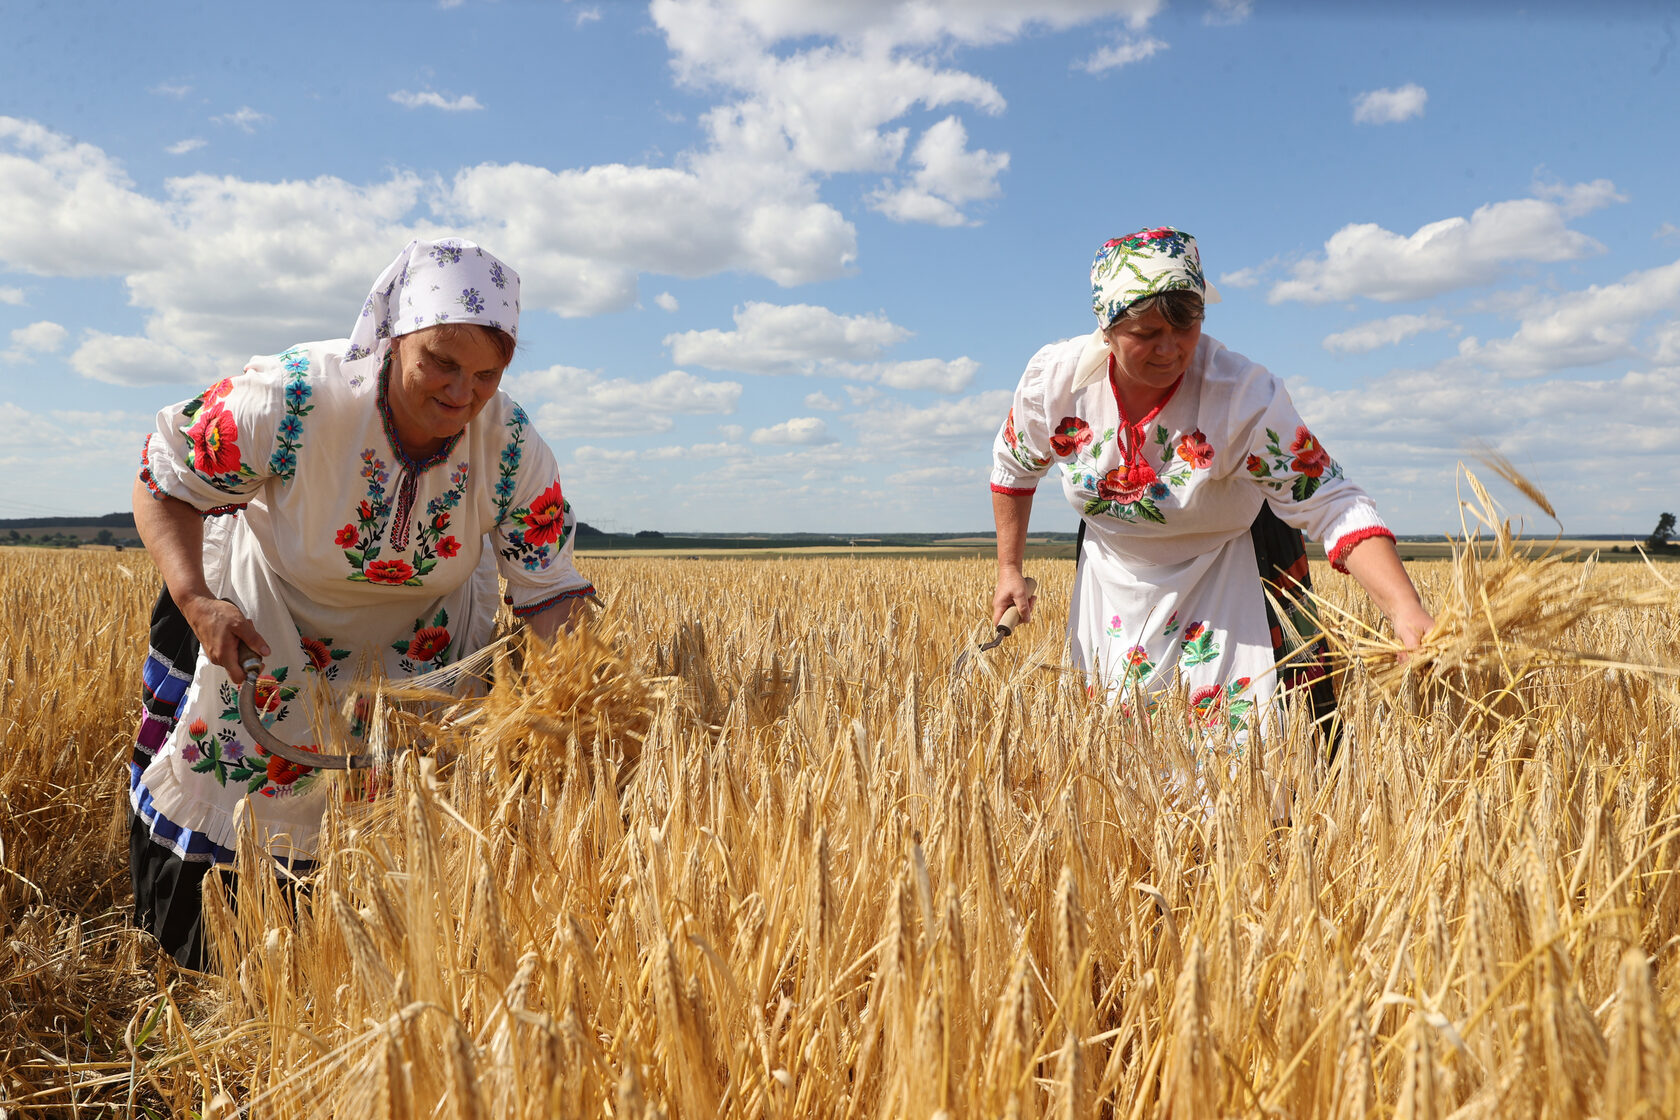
<point>359,484</point>
<point>1181,456</point>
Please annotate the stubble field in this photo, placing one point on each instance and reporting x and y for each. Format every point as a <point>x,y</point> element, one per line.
<point>833,886</point>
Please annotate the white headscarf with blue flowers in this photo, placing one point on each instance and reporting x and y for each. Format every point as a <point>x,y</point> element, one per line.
<point>431,283</point>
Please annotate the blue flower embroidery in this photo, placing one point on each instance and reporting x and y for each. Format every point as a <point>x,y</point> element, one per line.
<point>297,392</point>
<point>1159,491</point>
<point>471,300</point>
<point>291,426</point>
<point>504,487</point>
<point>283,462</point>
<point>446,254</point>
<point>497,277</point>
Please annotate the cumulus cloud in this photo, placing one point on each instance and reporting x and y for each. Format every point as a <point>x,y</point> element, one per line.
<point>665,301</point>
<point>956,425</point>
<point>1366,337</point>
<point>430,99</point>
<point>821,402</point>
<point>164,89</point>
<point>229,267</point>
<point>581,402</point>
<point>588,15</point>
<point>801,430</point>
<point>245,118</point>
<point>78,461</point>
<point>1390,106</point>
<point>797,338</point>
<point>948,175</point>
<point>182,147</point>
<point>1363,259</point>
<point>120,360</point>
<point>1586,328</point>
<point>813,341</point>
<point>1122,52</point>
<point>43,337</point>
<point>13,296</point>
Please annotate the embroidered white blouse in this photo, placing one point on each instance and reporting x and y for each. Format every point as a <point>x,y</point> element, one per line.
<point>1168,585</point>
<point>349,557</point>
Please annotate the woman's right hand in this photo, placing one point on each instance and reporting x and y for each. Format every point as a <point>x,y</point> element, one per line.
<point>221,628</point>
<point>1012,591</point>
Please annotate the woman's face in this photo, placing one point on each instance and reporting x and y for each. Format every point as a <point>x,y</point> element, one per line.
<point>439,382</point>
<point>1149,353</point>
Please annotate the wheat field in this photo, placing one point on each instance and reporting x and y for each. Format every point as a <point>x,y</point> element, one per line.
<point>743,847</point>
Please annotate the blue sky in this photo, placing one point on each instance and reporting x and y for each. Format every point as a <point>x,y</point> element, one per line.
<point>784,261</point>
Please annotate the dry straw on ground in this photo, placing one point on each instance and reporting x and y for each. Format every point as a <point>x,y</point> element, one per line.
<point>827,886</point>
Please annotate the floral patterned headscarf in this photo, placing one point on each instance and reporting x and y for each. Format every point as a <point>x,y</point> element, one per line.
<point>1143,264</point>
<point>1134,267</point>
<point>430,283</point>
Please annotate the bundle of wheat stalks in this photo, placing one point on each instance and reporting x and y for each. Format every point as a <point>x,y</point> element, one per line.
<point>833,886</point>
<point>1510,610</point>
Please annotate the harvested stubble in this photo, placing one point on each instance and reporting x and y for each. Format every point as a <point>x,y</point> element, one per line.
<point>830,888</point>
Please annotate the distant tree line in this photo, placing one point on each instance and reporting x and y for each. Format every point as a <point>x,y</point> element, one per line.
<point>1659,538</point>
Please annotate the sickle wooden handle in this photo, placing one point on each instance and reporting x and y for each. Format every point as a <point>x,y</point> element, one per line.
<point>1012,617</point>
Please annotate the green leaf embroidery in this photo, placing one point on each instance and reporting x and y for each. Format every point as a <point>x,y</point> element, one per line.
<point>1147,508</point>
<point>1096,506</point>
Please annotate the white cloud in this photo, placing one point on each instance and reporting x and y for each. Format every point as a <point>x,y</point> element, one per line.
<point>1576,199</point>
<point>948,175</point>
<point>798,338</point>
<point>1666,231</point>
<point>666,301</point>
<point>244,118</point>
<point>164,89</point>
<point>1390,106</point>
<point>1225,13</point>
<point>1366,260</point>
<point>588,15</point>
<point>1121,52</point>
<point>182,147</point>
<point>13,296</point>
<point>77,461</point>
<point>564,399</point>
<point>813,341</point>
<point>1600,324</point>
<point>122,360</point>
<point>1366,337</point>
<point>43,337</point>
<point>821,402</point>
<point>964,424</point>
<point>430,99</point>
<point>731,432</point>
<point>801,430</point>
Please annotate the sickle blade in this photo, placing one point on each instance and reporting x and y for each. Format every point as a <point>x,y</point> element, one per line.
<point>267,740</point>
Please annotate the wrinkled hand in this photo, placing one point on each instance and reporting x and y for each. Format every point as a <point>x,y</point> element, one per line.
<point>1410,627</point>
<point>1012,592</point>
<point>221,627</point>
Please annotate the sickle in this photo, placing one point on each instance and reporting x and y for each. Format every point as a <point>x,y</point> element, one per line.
<point>268,741</point>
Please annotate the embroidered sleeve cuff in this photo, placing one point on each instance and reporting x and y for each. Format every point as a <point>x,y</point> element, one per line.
<point>1338,555</point>
<point>1012,482</point>
<point>526,610</point>
<point>1015,491</point>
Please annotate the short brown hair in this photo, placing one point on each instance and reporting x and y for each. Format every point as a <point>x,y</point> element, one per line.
<point>504,342</point>
<point>1181,308</point>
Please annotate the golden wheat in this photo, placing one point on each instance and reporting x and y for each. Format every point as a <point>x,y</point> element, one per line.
<point>739,848</point>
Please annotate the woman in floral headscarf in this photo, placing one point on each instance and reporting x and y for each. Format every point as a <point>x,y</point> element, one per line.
<point>359,482</point>
<point>1181,457</point>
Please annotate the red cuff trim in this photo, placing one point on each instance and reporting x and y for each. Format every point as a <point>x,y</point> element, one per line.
<point>1015,491</point>
<point>1338,559</point>
<point>537,608</point>
<point>218,511</point>
<point>146,469</point>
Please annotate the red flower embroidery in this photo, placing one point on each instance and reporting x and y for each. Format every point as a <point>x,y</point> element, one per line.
<point>389,571</point>
<point>1126,484</point>
<point>428,643</point>
<point>345,537</point>
<point>1137,655</point>
<point>448,547</point>
<point>364,512</point>
<point>198,729</point>
<point>440,522</point>
<point>1195,450</point>
<point>545,518</point>
<point>284,773</point>
<point>1194,631</point>
<point>317,652</point>
<point>1071,436</point>
<point>1206,704</point>
<point>215,444</point>
<point>219,390</point>
<point>267,695</point>
<point>1310,458</point>
<point>1256,465</point>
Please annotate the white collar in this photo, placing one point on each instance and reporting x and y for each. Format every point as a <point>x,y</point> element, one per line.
<point>1093,360</point>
